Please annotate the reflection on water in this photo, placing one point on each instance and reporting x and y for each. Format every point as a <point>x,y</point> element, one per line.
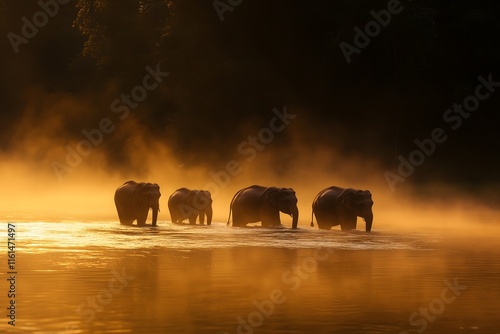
<point>104,278</point>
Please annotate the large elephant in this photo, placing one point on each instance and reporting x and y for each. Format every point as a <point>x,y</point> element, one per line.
<point>190,204</point>
<point>338,206</point>
<point>133,201</point>
<point>256,203</point>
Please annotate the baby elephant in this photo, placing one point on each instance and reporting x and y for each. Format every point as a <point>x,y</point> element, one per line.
<point>338,206</point>
<point>185,203</point>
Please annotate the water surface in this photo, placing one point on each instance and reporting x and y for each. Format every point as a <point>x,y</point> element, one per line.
<point>100,277</point>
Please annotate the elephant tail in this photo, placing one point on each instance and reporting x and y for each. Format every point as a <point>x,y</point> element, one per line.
<point>231,205</point>
<point>312,214</point>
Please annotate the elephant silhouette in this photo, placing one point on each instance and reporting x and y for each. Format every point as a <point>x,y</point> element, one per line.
<point>190,204</point>
<point>133,201</point>
<point>339,206</point>
<point>264,204</point>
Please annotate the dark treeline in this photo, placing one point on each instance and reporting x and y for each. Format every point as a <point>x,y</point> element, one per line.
<point>225,77</point>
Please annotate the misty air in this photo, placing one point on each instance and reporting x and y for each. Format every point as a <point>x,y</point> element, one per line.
<point>249,167</point>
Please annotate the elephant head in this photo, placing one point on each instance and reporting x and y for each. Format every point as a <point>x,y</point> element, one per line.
<point>201,200</point>
<point>284,200</point>
<point>148,195</point>
<point>360,203</point>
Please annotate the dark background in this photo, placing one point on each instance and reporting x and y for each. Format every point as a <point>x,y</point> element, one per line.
<point>225,77</point>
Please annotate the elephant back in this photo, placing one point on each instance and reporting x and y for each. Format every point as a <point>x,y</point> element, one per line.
<point>333,196</point>
<point>126,189</point>
<point>181,192</point>
<point>254,191</point>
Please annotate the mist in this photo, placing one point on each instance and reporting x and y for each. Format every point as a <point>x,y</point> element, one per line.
<point>84,112</point>
<point>396,97</point>
<point>51,176</point>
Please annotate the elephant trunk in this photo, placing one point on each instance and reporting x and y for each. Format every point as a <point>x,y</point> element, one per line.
<point>155,208</point>
<point>209,213</point>
<point>368,220</point>
<point>294,212</point>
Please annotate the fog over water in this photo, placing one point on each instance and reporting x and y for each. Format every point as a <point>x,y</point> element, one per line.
<point>176,93</point>
<point>83,188</point>
<point>80,271</point>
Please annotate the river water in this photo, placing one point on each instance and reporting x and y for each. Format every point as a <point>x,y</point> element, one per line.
<point>100,277</point>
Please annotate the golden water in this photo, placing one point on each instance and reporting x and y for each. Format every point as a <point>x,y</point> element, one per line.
<point>100,277</point>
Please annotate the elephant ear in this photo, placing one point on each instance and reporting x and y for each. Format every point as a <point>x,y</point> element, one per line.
<point>191,196</point>
<point>158,187</point>
<point>207,195</point>
<point>347,200</point>
<point>273,196</point>
<point>199,199</point>
<point>138,192</point>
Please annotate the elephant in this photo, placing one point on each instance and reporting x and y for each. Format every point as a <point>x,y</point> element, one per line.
<point>257,203</point>
<point>334,205</point>
<point>133,201</point>
<point>185,203</point>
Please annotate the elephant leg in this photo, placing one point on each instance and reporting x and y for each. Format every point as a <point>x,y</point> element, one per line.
<point>323,226</point>
<point>126,221</point>
<point>271,219</point>
<point>345,227</point>
<point>324,223</point>
<point>238,221</point>
<point>178,217</point>
<point>202,218</point>
<point>237,218</point>
<point>348,225</point>
<point>142,216</point>
<point>123,217</point>
<point>192,219</point>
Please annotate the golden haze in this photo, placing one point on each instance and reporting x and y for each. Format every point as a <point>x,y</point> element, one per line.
<point>32,190</point>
